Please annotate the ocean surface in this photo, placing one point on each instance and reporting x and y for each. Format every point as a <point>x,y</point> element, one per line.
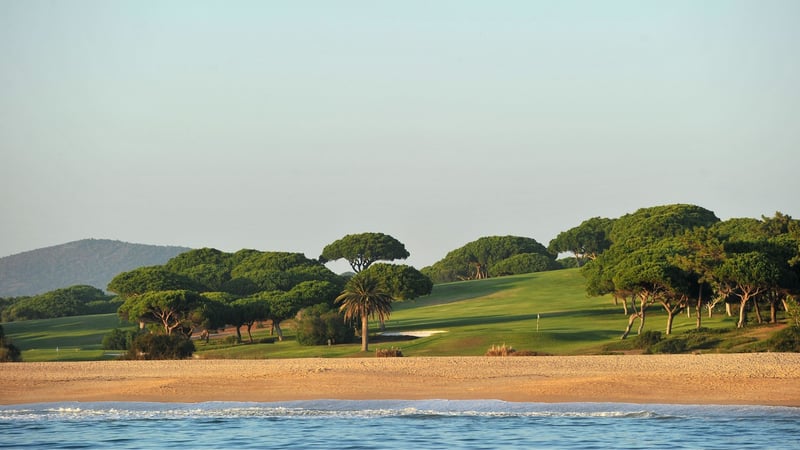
<point>426,424</point>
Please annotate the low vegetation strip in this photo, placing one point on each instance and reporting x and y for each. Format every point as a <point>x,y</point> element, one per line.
<point>542,313</point>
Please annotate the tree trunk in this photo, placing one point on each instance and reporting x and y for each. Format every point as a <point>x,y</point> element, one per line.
<point>713,304</point>
<point>364,333</point>
<point>278,330</point>
<point>758,311</point>
<point>480,272</point>
<point>699,312</point>
<point>624,304</point>
<point>239,334</point>
<point>728,310</point>
<point>773,312</point>
<point>671,312</point>
<point>742,312</point>
<point>632,318</point>
<point>670,318</point>
<point>249,335</point>
<point>642,308</point>
<point>168,329</point>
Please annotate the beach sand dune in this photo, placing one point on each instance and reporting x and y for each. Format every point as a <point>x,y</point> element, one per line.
<point>754,379</point>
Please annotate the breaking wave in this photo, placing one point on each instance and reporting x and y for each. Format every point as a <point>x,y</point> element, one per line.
<point>394,424</point>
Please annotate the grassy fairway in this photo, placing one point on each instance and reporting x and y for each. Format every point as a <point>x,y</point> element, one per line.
<point>568,322</point>
<point>63,339</point>
<point>475,315</point>
<point>546,312</point>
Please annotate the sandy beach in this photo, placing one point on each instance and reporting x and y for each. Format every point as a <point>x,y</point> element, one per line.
<point>752,379</point>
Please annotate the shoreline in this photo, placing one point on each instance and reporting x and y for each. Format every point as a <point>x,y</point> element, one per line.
<point>768,379</point>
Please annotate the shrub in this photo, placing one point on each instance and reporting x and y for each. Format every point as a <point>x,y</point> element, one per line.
<point>102,306</point>
<point>523,263</point>
<point>500,350</point>
<point>118,339</point>
<point>703,338</point>
<point>569,262</point>
<point>674,345</point>
<point>648,339</point>
<point>786,340</point>
<point>161,346</point>
<point>319,325</point>
<point>71,301</point>
<point>8,351</point>
<point>793,311</point>
<point>388,353</point>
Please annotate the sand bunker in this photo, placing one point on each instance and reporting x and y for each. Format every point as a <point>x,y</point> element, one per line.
<point>417,333</point>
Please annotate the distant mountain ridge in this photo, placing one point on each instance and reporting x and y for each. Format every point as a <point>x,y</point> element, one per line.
<point>93,262</point>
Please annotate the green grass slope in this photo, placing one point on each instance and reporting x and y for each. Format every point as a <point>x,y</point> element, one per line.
<point>546,312</point>
<point>65,338</point>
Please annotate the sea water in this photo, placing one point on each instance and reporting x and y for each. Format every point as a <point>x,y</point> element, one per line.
<point>428,424</point>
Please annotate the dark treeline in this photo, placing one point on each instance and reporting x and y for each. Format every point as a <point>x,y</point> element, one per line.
<point>207,289</point>
<point>492,256</point>
<point>71,301</point>
<point>677,257</point>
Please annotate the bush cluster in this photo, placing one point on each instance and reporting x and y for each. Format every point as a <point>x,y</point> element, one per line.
<point>320,325</point>
<point>500,350</point>
<point>507,350</point>
<point>700,339</point>
<point>8,351</point>
<point>231,340</point>
<point>160,346</point>
<point>674,345</point>
<point>388,353</point>
<point>72,301</point>
<point>648,339</point>
<point>118,339</point>
<point>786,340</point>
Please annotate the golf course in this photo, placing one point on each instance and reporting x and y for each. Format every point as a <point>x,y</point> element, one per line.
<point>545,313</point>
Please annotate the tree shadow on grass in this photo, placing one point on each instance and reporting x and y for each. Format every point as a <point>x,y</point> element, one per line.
<point>571,335</point>
<point>455,292</point>
<point>29,342</point>
<point>414,324</point>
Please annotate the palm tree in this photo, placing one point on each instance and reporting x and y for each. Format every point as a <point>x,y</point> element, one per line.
<point>363,298</point>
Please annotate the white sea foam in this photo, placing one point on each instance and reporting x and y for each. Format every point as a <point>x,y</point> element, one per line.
<point>370,408</point>
<point>395,424</point>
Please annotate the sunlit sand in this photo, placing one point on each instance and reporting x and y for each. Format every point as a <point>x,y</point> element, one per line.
<point>760,378</point>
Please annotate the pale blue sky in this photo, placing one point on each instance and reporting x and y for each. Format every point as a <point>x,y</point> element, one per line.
<point>286,125</point>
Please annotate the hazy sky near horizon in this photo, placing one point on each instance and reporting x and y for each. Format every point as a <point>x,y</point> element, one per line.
<point>285,125</point>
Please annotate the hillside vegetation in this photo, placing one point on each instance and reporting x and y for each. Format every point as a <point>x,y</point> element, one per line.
<point>545,313</point>
<point>92,262</point>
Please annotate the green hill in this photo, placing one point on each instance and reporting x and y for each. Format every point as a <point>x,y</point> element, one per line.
<point>545,313</point>
<point>92,262</point>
